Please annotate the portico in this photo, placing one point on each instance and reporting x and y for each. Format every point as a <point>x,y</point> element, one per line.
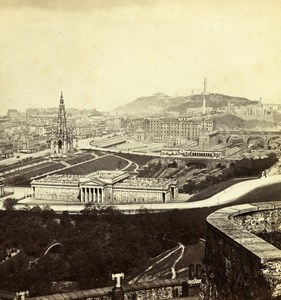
<point>91,194</point>
<point>2,186</point>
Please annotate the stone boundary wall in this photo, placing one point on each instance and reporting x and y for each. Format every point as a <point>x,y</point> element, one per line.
<point>263,220</point>
<point>238,264</point>
<point>152,290</point>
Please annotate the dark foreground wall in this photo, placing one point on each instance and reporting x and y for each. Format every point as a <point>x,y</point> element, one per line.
<point>153,290</point>
<point>238,264</point>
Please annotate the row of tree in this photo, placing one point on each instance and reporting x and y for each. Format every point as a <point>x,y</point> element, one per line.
<point>247,167</point>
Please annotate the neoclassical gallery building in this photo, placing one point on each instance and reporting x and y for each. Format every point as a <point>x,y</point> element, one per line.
<point>105,187</point>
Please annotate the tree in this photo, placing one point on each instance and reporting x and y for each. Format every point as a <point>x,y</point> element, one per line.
<point>10,203</point>
<point>26,207</point>
<point>48,212</point>
<point>36,209</point>
<point>189,188</point>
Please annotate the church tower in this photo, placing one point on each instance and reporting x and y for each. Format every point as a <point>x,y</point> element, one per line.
<point>62,140</point>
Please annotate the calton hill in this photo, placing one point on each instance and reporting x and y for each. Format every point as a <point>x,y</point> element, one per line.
<point>98,242</point>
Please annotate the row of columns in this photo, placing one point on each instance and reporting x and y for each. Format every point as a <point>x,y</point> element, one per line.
<point>94,195</point>
<point>1,190</point>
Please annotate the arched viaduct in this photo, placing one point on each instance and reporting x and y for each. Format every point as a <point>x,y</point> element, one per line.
<point>247,136</point>
<point>199,163</point>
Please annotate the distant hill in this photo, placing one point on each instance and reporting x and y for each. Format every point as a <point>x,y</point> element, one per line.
<point>212,100</point>
<point>232,122</point>
<point>160,102</point>
<point>151,104</point>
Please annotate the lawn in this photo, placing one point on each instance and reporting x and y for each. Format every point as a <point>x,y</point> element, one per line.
<point>212,190</point>
<point>24,178</point>
<point>132,167</point>
<point>26,170</point>
<point>141,160</point>
<point>107,162</point>
<point>262,194</point>
<point>22,163</point>
<point>79,159</point>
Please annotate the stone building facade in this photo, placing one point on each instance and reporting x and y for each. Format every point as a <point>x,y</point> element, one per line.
<point>172,131</point>
<point>208,140</point>
<point>6,149</point>
<point>105,187</point>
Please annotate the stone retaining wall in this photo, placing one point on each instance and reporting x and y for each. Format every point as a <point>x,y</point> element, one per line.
<point>238,264</point>
<point>154,290</point>
<point>263,220</point>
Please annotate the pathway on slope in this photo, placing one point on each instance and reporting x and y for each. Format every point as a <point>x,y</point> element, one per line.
<point>173,269</point>
<point>162,257</point>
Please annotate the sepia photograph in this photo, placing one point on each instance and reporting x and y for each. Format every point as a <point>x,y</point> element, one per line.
<point>140,149</point>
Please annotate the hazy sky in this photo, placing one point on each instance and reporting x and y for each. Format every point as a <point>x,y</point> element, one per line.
<point>105,53</point>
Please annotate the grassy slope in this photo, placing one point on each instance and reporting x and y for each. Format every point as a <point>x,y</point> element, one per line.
<point>263,194</point>
<point>209,192</point>
<point>108,162</point>
<point>138,159</point>
<point>79,159</point>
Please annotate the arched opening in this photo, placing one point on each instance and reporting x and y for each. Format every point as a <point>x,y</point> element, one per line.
<point>274,142</point>
<point>234,139</point>
<point>196,164</point>
<point>60,143</point>
<point>255,142</point>
<point>220,166</point>
<point>227,140</point>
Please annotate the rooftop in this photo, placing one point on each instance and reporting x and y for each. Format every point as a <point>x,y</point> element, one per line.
<point>107,174</point>
<point>103,176</point>
<point>153,183</point>
<point>57,178</point>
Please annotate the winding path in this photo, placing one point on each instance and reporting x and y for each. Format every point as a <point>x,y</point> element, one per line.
<point>173,269</point>
<point>170,252</point>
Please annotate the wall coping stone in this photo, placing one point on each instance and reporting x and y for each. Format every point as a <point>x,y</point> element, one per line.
<point>223,221</point>
<point>98,292</point>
